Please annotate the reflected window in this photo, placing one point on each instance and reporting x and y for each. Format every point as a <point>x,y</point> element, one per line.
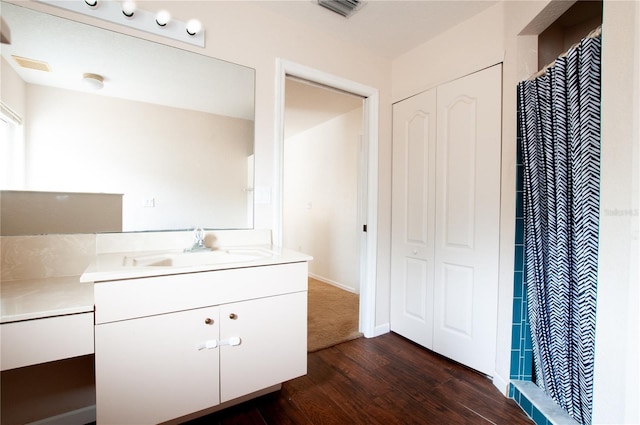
<point>11,151</point>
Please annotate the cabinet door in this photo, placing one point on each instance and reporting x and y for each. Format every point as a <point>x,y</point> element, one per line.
<point>273,343</point>
<point>468,219</point>
<point>153,369</point>
<point>413,218</point>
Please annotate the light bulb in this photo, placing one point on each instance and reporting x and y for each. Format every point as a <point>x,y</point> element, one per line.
<point>128,8</point>
<point>163,17</point>
<point>194,27</point>
<point>93,81</point>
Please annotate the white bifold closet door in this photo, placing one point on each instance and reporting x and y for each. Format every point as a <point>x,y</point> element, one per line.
<point>445,218</point>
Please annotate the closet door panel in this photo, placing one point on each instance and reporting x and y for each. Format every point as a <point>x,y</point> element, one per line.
<point>467,219</point>
<point>457,172</point>
<point>413,200</point>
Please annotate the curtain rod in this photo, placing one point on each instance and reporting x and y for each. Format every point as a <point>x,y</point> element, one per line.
<point>593,34</point>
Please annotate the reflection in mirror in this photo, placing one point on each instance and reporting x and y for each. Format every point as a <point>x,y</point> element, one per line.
<point>171,130</point>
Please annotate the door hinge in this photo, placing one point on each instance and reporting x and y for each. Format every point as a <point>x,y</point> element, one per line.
<point>364,227</point>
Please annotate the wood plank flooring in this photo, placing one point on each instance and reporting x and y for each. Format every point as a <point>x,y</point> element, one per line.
<point>384,380</point>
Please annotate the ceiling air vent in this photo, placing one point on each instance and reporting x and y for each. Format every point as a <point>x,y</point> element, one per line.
<point>32,64</point>
<point>341,7</point>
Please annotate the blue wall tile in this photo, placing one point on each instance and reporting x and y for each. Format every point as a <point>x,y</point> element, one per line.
<point>528,345</point>
<point>521,364</point>
<point>521,352</point>
<point>519,232</point>
<point>515,364</point>
<point>516,336</point>
<point>538,417</point>
<point>519,258</point>
<point>526,405</point>
<point>519,208</point>
<point>517,284</point>
<point>517,314</point>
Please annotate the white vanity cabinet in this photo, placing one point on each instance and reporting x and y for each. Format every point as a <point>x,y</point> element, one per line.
<point>150,370</point>
<point>173,345</point>
<point>273,334</point>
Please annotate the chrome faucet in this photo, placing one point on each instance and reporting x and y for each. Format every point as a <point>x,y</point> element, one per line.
<point>198,243</point>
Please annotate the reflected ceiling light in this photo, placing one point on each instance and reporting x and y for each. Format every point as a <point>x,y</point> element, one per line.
<point>163,17</point>
<point>93,81</point>
<point>127,13</point>
<point>128,8</point>
<point>194,27</point>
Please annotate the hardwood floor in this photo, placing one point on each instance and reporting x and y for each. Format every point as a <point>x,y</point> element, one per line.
<point>384,380</point>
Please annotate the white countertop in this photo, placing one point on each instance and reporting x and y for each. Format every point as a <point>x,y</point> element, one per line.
<point>47,297</point>
<point>28,299</point>
<point>114,266</point>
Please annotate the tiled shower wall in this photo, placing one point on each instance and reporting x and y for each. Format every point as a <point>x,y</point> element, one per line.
<point>521,349</point>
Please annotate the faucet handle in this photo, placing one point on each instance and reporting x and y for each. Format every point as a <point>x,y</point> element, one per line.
<point>198,242</point>
<point>198,233</point>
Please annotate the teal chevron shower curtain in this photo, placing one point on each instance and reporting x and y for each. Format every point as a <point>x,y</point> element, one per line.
<point>559,127</point>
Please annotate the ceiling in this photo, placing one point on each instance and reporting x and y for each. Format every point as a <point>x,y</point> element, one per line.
<point>385,27</point>
<point>308,105</point>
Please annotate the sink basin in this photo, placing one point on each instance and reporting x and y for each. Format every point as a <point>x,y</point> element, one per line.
<point>199,258</point>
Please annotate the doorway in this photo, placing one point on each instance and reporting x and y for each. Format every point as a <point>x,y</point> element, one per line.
<point>321,203</point>
<point>367,259</point>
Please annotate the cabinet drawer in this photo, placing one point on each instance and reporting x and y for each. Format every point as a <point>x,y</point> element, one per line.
<point>45,340</point>
<point>133,298</point>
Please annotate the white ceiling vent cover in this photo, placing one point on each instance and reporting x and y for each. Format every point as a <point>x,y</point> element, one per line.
<point>341,7</point>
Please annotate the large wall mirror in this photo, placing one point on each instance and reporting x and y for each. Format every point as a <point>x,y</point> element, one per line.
<point>170,130</point>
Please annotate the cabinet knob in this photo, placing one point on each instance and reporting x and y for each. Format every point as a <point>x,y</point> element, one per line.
<point>233,316</point>
<point>208,321</point>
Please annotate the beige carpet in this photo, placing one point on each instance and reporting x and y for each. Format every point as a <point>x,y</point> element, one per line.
<point>332,316</point>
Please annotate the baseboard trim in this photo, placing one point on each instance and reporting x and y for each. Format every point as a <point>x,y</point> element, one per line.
<point>333,283</point>
<point>500,384</point>
<point>381,330</point>
<point>81,416</point>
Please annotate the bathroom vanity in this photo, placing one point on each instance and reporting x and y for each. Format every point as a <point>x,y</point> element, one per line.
<point>175,334</point>
<point>45,320</point>
<point>172,340</point>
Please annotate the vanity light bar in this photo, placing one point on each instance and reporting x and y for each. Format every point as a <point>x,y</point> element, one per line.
<point>112,11</point>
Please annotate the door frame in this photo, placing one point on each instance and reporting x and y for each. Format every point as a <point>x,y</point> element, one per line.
<point>286,68</point>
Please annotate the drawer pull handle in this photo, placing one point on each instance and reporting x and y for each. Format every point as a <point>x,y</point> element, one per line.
<point>233,316</point>
<point>208,321</point>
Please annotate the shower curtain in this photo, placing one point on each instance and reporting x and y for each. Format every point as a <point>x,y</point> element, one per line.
<point>559,125</point>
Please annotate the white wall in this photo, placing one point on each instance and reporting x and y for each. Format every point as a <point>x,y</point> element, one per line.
<point>468,47</point>
<point>12,88</point>
<point>320,198</point>
<point>616,375</point>
<point>79,142</point>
